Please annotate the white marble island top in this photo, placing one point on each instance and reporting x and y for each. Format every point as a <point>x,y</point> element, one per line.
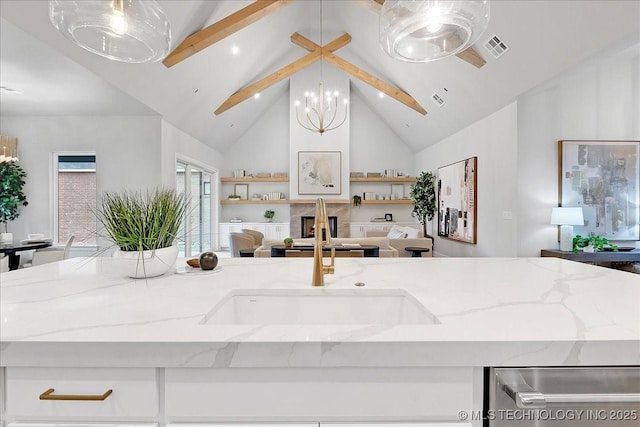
<point>492,312</point>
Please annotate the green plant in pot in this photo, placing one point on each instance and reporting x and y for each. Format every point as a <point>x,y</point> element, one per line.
<point>269,214</point>
<point>423,196</point>
<point>591,243</point>
<point>356,200</point>
<point>144,227</point>
<point>12,197</point>
<point>288,242</point>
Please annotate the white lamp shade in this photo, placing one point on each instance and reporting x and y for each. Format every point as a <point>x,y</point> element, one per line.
<point>567,216</point>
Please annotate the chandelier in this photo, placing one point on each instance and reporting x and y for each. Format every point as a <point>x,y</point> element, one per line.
<point>134,31</point>
<point>321,109</point>
<point>428,30</point>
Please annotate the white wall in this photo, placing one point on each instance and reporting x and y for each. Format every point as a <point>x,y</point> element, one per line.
<point>127,156</point>
<point>494,141</point>
<point>598,100</point>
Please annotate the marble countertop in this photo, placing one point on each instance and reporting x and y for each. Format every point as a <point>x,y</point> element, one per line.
<point>492,312</point>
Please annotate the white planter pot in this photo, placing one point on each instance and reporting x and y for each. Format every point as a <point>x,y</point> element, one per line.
<point>6,237</point>
<point>146,264</point>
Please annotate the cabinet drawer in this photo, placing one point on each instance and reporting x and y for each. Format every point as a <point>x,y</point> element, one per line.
<point>135,392</point>
<point>320,393</point>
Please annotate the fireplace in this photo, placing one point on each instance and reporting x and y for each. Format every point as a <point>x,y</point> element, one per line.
<point>307,226</point>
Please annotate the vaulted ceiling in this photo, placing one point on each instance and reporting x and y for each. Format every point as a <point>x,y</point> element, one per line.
<point>56,77</point>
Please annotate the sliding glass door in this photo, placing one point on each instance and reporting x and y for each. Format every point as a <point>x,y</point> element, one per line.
<point>198,228</point>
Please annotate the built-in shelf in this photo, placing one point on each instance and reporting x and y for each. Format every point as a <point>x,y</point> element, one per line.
<point>384,179</point>
<point>252,179</point>
<point>312,201</point>
<point>387,202</point>
<point>254,202</point>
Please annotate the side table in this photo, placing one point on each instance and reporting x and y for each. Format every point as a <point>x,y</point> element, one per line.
<point>416,251</point>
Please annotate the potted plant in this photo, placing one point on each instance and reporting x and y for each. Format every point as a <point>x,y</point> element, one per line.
<point>591,244</point>
<point>234,197</point>
<point>357,201</point>
<point>12,198</point>
<point>288,242</point>
<point>423,196</point>
<point>269,214</point>
<point>144,227</point>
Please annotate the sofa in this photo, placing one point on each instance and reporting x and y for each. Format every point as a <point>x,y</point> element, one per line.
<point>389,246</point>
<point>405,238</point>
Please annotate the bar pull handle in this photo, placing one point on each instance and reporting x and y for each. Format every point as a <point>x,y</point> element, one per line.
<point>48,395</point>
<point>525,397</point>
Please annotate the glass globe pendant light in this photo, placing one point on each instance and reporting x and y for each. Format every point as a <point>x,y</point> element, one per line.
<point>134,31</point>
<point>428,30</point>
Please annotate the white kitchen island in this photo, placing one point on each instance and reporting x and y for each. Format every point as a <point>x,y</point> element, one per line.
<point>79,327</point>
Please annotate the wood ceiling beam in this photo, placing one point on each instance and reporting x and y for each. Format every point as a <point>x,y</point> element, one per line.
<point>360,74</point>
<point>390,90</point>
<point>284,72</point>
<point>469,55</point>
<point>225,27</point>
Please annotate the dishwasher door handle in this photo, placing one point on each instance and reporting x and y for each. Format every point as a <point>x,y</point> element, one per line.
<point>525,397</point>
<point>539,400</point>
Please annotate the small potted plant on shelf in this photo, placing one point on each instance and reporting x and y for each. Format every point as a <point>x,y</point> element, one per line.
<point>269,214</point>
<point>144,227</point>
<point>357,201</point>
<point>234,197</point>
<point>288,242</point>
<point>591,244</point>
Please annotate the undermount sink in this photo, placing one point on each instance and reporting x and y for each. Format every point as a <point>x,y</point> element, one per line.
<point>319,306</point>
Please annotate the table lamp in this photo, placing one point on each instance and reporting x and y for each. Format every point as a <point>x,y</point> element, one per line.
<point>566,218</point>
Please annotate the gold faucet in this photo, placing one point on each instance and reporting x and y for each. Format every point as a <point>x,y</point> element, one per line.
<point>322,237</point>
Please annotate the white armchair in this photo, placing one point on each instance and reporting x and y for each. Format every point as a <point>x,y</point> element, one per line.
<point>46,255</point>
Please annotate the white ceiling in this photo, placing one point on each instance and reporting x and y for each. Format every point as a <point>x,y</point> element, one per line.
<point>59,78</point>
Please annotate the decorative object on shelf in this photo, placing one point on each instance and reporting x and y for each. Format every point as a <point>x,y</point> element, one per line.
<point>239,173</point>
<point>288,242</point>
<point>133,31</point>
<point>428,30</point>
<point>263,175</point>
<point>423,197</point>
<point>144,227</point>
<point>269,214</point>
<point>208,260</point>
<point>321,109</point>
<point>388,217</point>
<point>603,178</point>
<point>592,244</point>
<point>397,191</point>
<point>12,197</point>
<point>357,201</point>
<point>233,197</point>
<point>272,195</point>
<point>374,175</point>
<point>319,172</point>
<point>241,190</point>
<point>457,205</point>
<point>235,219</point>
<point>280,175</point>
<point>566,218</point>
<point>356,174</point>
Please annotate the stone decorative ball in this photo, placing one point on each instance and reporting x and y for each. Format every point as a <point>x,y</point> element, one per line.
<point>208,261</point>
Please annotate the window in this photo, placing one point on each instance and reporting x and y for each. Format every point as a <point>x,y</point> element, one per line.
<point>75,197</point>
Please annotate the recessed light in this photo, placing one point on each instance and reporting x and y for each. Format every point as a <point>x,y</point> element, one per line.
<point>256,96</point>
<point>235,50</point>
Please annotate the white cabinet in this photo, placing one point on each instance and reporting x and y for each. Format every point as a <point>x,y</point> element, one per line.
<point>225,229</point>
<point>134,392</point>
<point>277,231</point>
<point>427,394</point>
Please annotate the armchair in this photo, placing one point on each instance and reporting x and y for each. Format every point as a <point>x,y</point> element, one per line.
<point>239,241</point>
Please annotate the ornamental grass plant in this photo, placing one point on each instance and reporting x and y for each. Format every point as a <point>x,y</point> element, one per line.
<point>137,221</point>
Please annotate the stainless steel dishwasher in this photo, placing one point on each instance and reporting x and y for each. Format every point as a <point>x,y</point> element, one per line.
<point>541,397</point>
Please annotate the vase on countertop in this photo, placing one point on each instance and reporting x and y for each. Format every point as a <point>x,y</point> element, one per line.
<point>146,264</point>
<point>6,237</point>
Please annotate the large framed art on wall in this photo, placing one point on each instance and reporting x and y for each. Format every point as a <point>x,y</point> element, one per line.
<point>603,178</point>
<point>457,205</point>
<point>319,172</point>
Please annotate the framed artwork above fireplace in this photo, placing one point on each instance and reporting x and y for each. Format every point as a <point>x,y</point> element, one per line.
<point>319,172</point>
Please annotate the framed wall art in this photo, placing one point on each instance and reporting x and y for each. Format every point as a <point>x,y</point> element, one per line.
<point>319,172</point>
<point>603,178</point>
<point>457,204</point>
<point>241,190</point>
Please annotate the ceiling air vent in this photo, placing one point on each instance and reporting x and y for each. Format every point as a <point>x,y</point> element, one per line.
<point>437,99</point>
<point>496,47</point>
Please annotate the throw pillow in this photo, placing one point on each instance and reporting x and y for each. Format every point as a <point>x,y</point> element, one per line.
<point>411,233</point>
<point>396,233</point>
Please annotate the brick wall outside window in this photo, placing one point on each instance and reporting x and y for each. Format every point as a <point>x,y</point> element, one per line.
<point>76,206</point>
